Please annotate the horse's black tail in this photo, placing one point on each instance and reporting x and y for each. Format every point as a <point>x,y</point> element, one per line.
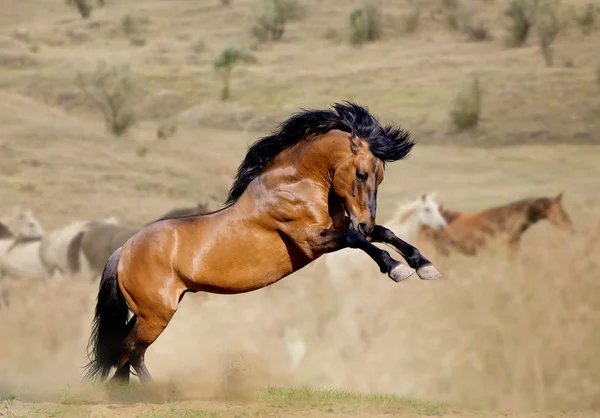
<point>109,327</point>
<point>73,253</point>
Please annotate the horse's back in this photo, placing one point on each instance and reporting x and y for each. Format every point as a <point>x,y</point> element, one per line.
<point>218,252</point>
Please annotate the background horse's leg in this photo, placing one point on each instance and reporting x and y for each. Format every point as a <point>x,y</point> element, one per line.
<point>330,240</point>
<point>413,256</point>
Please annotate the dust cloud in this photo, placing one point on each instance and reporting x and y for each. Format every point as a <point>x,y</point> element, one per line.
<point>517,333</point>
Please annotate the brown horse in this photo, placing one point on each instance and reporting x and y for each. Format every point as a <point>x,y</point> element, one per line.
<point>469,232</point>
<point>285,209</point>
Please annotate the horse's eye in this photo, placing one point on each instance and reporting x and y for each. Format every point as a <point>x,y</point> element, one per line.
<point>361,176</point>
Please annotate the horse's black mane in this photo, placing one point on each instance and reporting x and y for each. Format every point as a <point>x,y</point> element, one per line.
<point>388,143</point>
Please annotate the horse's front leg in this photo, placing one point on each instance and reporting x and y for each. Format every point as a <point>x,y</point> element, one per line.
<point>412,255</point>
<point>329,240</point>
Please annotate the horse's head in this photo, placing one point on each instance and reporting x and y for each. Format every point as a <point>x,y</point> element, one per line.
<point>355,182</point>
<point>27,226</point>
<point>557,215</point>
<point>428,210</point>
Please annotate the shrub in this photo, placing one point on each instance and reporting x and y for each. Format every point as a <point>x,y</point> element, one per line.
<point>272,17</point>
<point>82,6</point>
<point>548,28</point>
<point>365,22</point>
<point>137,41</point>
<point>452,11</point>
<point>467,106</point>
<point>129,25</point>
<point>586,19</point>
<point>477,32</point>
<point>226,61</point>
<point>412,18</point>
<point>522,16</point>
<point>166,129</point>
<point>111,89</point>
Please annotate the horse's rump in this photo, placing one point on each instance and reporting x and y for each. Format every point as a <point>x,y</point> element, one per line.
<point>99,242</point>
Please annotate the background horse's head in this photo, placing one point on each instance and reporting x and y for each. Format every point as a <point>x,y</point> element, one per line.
<point>25,225</point>
<point>355,182</point>
<point>428,210</point>
<point>555,212</point>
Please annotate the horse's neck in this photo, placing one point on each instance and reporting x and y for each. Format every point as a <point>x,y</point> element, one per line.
<point>515,215</point>
<point>405,223</point>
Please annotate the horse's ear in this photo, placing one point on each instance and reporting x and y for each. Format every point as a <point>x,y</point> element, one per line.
<point>559,197</point>
<point>354,143</point>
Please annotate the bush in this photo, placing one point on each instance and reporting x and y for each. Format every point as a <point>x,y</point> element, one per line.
<point>272,17</point>
<point>548,28</point>
<point>365,22</point>
<point>129,25</point>
<point>522,15</point>
<point>166,129</point>
<point>586,19</point>
<point>226,61</point>
<point>467,106</point>
<point>477,32</point>
<point>111,89</point>
<point>83,7</point>
<point>412,18</point>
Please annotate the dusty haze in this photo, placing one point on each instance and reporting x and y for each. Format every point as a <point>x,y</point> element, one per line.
<point>493,334</point>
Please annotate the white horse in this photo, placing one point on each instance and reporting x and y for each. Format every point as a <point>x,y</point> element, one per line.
<point>405,223</point>
<point>54,247</point>
<point>19,251</point>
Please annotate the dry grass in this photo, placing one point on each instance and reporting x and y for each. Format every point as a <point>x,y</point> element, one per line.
<point>492,334</point>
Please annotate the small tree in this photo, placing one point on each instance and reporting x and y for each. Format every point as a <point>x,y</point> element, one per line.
<point>548,28</point>
<point>365,22</point>
<point>586,19</point>
<point>226,61</point>
<point>111,89</point>
<point>522,15</point>
<point>467,106</point>
<point>273,16</point>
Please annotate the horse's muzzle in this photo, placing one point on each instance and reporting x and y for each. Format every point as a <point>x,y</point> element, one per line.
<point>365,228</point>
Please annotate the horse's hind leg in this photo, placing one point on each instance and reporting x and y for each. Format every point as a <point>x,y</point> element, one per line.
<point>145,331</point>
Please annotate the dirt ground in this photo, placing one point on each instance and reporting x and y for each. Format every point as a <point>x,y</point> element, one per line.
<point>494,337</point>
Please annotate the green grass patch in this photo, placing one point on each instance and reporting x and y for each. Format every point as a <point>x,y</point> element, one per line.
<point>289,396</point>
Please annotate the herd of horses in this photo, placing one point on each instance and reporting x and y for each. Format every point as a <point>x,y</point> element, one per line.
<point>306,190</point>
<point>28,251</point>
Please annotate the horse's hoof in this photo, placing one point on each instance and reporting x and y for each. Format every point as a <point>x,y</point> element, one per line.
<point>428,272</point>
<point>401,272</point>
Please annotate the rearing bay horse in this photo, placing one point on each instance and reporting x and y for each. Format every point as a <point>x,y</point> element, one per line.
<point>308,189</point>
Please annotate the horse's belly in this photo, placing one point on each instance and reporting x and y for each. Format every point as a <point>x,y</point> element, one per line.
<point>245,265</point>
<point>20,264</point>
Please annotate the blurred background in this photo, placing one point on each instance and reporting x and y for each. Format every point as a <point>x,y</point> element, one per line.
<point>129,109</point>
